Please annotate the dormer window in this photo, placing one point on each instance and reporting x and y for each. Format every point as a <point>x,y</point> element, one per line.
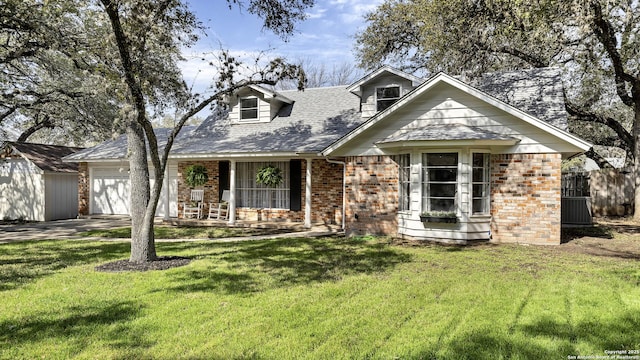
<point>386,96</point>
<point>249,109</point>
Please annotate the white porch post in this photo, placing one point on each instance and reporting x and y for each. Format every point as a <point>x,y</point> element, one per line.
<point>165,184</point>
<point>232,192</point>
<point>307,196</point>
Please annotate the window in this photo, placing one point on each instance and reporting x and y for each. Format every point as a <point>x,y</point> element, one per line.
<point>480,183</point>
<point>404,178</point>
<point>439,181</point>
<point>249,108</point>
<point>253,195</point>
<point>386,96</point>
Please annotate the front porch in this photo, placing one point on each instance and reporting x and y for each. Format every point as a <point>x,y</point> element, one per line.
<point>284,226</point>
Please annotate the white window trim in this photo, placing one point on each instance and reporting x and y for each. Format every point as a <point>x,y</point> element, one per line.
<point>375,94</point>
<point>457,199</point>
<point>409,180</point>
<point>257,118</point>
<point>471,152</point>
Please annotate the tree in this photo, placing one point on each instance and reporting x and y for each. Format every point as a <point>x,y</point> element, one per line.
<point>596,44</point>
<point>148,36</point>
<point>50,85</point>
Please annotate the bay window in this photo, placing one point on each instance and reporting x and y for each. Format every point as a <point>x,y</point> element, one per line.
<point>439,181</point>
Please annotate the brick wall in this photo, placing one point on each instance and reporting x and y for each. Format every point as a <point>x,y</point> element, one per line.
<point>525,198</point>
<point>326,193</point>
<point>372,195</point>
<point>83,189</point>
<point>211,193</point>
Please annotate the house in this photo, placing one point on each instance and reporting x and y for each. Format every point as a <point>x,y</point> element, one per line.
<point>375,156</point>
<point>35,184</point>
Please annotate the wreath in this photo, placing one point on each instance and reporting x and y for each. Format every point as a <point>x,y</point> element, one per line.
<point>196,175</point>
<point>269,176</point>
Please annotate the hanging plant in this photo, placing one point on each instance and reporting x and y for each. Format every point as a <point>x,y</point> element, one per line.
<point>269,176</point>
<point>196,175</point>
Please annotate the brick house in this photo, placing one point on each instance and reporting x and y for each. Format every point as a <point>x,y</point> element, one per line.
<point>390,154</point>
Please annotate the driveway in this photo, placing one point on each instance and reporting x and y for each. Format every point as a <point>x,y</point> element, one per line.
<point>59,229</point>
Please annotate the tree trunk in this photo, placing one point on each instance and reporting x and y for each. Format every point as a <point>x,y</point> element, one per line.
<point>142,238</point>
<point>636,160</point>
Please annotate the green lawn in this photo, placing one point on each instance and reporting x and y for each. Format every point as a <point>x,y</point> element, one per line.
<point>330,298</point>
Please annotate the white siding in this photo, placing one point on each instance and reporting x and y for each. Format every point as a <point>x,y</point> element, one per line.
<point>61,196</point>
<point>369,91</point>
<point>264,108</point>
<point>21,191</point>
<point>446,105</point>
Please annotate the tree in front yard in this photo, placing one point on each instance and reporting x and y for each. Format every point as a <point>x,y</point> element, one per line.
<point>147,39</point>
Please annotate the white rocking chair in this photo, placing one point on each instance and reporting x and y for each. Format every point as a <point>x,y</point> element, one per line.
<point>220,210</point>
<point>194,207</point>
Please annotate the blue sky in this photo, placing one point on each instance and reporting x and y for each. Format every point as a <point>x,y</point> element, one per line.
<point>325,37</point>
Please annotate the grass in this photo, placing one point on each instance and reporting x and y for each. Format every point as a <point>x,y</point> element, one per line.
<point>330,298</point>
<point>174,232</point>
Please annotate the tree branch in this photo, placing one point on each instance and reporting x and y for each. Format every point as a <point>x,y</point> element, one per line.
<point>605,33</point>
<point>602,162</point>
<point>582,115</point>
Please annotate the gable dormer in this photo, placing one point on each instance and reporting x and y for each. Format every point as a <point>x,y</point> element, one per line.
<point>382,88</point>
<point>255,104</point>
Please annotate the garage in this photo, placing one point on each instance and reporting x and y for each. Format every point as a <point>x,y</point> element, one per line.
<point>35,184</point>
<point>110,189</point>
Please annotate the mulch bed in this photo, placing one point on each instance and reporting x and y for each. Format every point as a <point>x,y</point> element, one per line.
<point>162,263</point>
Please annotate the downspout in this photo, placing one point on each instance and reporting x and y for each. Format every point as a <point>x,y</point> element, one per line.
<point>344,188</point>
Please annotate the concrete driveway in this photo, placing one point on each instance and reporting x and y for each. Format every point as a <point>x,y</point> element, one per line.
<point>59,229</point>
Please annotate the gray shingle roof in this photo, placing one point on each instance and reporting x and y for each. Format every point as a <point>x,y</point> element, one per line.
<point>117,149</point>
<point>445,132</point>
<point>538,92</point>
<point>320,116</point>
<point>317,118</point>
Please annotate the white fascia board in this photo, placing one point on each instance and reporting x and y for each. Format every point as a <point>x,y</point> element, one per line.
<point>268,94</point>
<point>444,78</point>
<point>355,87</point>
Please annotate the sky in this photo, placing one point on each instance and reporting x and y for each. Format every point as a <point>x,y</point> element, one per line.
<point>325,37</point>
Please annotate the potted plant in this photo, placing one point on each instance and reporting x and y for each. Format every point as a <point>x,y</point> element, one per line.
<point>195,175</point>
<point>269,176</point>
<point>439,216</point>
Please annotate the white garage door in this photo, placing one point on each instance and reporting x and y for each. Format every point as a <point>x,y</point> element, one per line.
<point>110,192</point>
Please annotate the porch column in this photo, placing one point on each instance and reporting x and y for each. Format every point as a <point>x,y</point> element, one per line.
<point>232,192</point>
<point>307,196</point>
<point>165,184</point>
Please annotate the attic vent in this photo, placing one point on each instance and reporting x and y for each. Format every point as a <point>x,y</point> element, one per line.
<point>386,96</point>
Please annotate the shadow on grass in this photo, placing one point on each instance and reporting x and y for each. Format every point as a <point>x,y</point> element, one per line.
<point>79,327</point>
<point>616,333</point>
<point>24,262</point>
<point>287,262</point>
<point>568,234</point>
